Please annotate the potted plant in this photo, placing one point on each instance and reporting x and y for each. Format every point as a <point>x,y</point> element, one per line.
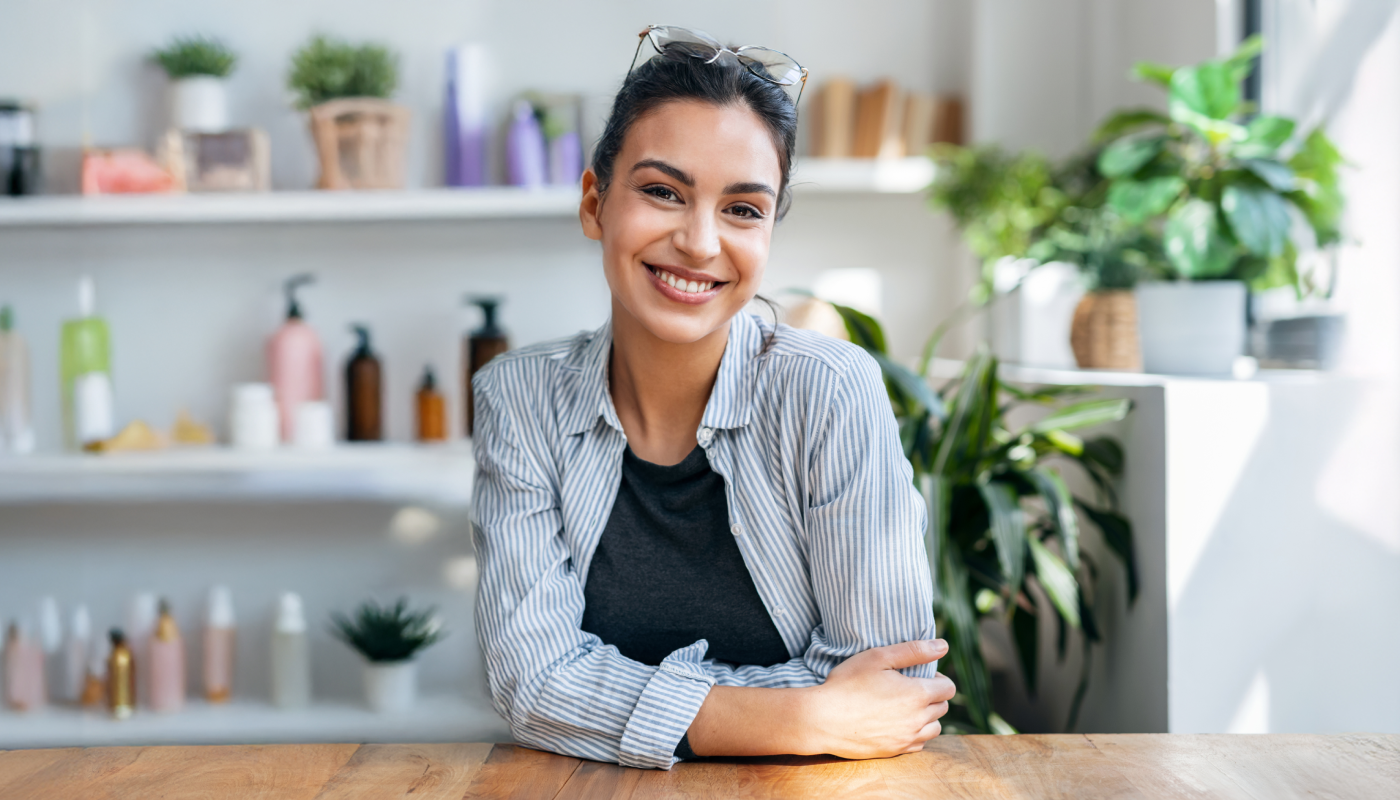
<point>1020,212</point>
<point>388,637</point>
<point>1225,188</point>
<point>360,136</point>
<point>1001,517</point>
<point>197,67</point>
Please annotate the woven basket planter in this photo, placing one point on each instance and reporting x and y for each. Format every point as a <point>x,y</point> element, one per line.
<point>360,142</point>
<point>1104,333</point>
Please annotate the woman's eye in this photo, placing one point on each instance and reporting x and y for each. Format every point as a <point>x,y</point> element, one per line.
<point>661,193</point>
<point>747,212</point>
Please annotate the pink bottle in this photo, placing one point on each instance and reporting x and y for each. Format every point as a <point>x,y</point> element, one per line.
<point>167,668</point>
<point>25,689</point>
<point>294,361</point>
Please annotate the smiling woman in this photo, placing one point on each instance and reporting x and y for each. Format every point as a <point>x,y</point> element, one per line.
<point>698,533</point>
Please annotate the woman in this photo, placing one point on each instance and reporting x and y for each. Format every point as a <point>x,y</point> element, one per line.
<point>697,533</point>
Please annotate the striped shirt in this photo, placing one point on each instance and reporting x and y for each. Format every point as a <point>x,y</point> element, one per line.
<point>821,502</point>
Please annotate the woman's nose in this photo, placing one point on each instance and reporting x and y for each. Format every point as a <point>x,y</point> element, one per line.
<point>698,238</point>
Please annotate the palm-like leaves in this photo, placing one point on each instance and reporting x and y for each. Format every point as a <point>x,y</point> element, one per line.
<point>1000,515</point>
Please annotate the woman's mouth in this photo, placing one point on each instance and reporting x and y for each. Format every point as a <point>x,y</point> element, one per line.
<point>682,290</point>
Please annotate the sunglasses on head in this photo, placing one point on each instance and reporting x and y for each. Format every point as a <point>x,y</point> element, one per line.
<point>770,65</point>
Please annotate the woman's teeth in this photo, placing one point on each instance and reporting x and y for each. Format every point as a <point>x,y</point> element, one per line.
<point>682,285</point>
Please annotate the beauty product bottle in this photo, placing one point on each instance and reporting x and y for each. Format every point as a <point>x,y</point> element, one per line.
<point>432,409</point>
<point>484,344</point>
<point>291,659</point>
<point>121,677</point>
<point>465,116</point>
<point>75,656</point>
<point>294,360</point>
<point>51,643</point>
<point>24,670</point>
<point>525,151</point>
<point>218,646</point>
<point>95,684</point>
<point>167,664</point>
<point>16,421</point>
<point>141,616</point>
<point>86,373</point>
<point>364,391</point>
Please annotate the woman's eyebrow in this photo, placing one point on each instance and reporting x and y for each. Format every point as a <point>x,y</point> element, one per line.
<point>662,166</point>
<point>750,188</point>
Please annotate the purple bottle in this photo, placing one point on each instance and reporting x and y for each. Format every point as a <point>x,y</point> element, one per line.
<point>525,152</point>
<point>464,116</point>
<point>565,159</point>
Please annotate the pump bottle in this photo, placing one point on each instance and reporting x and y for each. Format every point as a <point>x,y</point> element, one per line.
<point>432,409</point>
<point>121,677</point>
<point>218,646</point>
<point>294,360</point>
<point>167,664</point>
<point>364,392</point>
<point>484,344</point>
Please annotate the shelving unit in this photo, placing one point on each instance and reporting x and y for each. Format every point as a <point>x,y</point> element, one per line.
<point>444,718</point>
<point>846,175</point>
<point>440,474</point>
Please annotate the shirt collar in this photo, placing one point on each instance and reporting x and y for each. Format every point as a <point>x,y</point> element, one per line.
<point>730,400</point>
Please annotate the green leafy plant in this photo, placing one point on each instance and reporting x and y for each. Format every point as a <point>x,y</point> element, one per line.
<point>387,633</point>
<point>1002,519</point>
<point>1220,183</point>
<point>325,69</point>
<point>1024,206</point>
<point>193,56</point>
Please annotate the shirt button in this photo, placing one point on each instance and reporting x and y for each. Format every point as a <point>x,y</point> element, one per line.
<point>736,529</point>
<point>778,612</point>
<point>705,435</point>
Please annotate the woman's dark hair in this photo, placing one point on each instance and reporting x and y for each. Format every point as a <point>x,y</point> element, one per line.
<point>678,74</point>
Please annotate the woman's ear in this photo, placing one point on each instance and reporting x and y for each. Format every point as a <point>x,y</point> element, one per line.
<point>591,206</point>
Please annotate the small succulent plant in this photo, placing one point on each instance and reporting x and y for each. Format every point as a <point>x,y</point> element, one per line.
<point>387,633</point>
<point>193,56</point>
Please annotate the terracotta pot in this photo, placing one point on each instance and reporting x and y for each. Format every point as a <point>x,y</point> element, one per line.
<point>1104,332</point>
<point>360,142</point>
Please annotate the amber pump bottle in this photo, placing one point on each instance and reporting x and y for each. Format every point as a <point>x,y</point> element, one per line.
<point>484,344</point>
<point>432,409</point>
<point>364,417</point>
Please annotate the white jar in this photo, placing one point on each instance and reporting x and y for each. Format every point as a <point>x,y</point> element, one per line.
<point>199,104</point>
<point>1191,327</point>
<point>253,417</point>
<point>314,426</point>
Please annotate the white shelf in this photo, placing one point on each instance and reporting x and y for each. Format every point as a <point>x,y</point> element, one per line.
<point>863,175</point>
<point>435,719</point>
<point>820,175</point>
<point>494,202</point>
<point>440,474</point>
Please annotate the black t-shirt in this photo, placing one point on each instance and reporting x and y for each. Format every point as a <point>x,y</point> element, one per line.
<point>667,570</point>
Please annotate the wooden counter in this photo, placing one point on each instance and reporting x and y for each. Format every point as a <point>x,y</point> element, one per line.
<point>1071,766</point>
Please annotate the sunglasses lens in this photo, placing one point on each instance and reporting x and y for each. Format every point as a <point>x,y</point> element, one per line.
<point>771,65</point>
<point>664,36</point>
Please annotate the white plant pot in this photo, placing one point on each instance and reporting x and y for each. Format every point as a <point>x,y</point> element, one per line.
<point>1191,327</point>
<point>199,104</point>
<point>391,687</point>
<point>1030,323</point>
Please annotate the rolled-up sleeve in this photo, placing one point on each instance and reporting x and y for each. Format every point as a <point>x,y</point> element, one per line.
<point>560,688</point>
<point>865,527</point>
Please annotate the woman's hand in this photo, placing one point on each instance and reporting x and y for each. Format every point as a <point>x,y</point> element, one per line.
<point>867,709</point>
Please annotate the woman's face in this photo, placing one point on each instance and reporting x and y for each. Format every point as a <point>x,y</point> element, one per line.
<point>686,223</point>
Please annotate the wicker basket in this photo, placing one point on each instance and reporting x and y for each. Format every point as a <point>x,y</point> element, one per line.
<point>1104,333</point>
<point>360,142</point>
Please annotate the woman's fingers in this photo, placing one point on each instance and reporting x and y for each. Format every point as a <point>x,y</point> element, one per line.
<point>940,688</point>
<point>929,731</point>
<point>907,654</point>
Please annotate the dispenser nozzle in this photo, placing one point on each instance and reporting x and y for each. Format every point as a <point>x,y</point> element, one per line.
<point>290,286</point>
<point>488,305</point>
<point>362,333</point>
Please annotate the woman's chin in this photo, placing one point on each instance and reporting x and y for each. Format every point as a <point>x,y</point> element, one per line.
<point>674,328</point>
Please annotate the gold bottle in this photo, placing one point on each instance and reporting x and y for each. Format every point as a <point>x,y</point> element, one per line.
<point>121,677</point>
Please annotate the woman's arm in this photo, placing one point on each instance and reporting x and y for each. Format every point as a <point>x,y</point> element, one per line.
<point>866,709</point>
<point>561,689</point>
<point>864,526</point>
